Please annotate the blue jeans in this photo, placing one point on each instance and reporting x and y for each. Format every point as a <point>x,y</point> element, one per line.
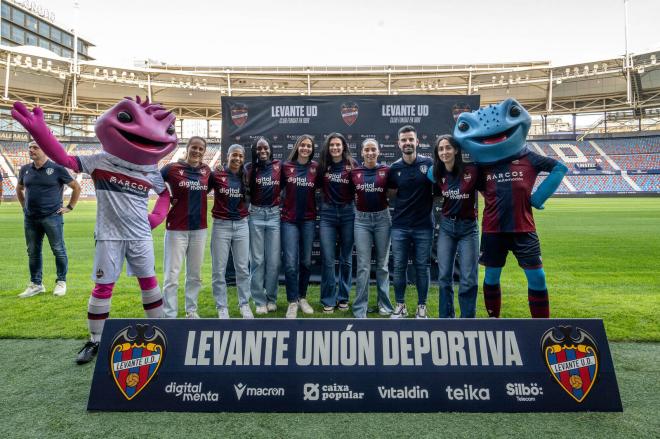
<point>297,239</point>
<point>402,238</point>
<point>458,238</point>
<point>264,253</point>
<point>35,229</point>
<point>228,234</point>
<point>372,229</point>
<point>336,228</point>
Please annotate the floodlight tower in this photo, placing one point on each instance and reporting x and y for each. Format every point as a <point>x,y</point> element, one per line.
<point>627,64</point>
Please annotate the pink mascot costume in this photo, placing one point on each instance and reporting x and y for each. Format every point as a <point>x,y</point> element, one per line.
<point>134,135</point>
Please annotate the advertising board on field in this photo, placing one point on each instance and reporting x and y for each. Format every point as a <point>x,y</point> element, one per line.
<point>346,365</point>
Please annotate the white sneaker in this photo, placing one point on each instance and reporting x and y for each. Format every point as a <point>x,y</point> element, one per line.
<point>246,312</point>
<point>384,311</point>
<point>421,312</point>
<point>223,312</point>
<point>305,306</point>
<point>32,290</point>
<point>261,310</point>
<point>60,288</point>
<point>271,306</point>
<point>292,310</point>
<point>400,311</point>
<point>192,315</point>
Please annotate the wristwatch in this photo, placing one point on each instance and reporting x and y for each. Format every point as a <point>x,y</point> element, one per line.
<point>69,206</point>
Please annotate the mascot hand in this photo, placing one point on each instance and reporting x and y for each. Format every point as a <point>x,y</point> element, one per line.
<point>159,212</point>
<point>34,123</point>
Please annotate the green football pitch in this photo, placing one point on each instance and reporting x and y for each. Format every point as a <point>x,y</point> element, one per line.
<point>600,254</point>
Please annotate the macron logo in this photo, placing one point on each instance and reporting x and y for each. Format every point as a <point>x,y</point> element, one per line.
<point>239,388</point>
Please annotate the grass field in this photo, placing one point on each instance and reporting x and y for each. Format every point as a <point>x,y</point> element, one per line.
<point>601,258</point>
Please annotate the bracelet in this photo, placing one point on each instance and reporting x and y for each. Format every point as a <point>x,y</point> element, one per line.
<point>69,206</point>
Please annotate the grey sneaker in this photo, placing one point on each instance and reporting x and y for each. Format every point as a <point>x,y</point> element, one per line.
<point>263,309</point>
<point>246,312</point>
<point>60,288</point>
<point>292,310</point>
<point>421,312</point>
<point>32,290</point>
<point>271,306</point>
<point>400,311</point>
<point>223,312</point>
<point>305,306</point>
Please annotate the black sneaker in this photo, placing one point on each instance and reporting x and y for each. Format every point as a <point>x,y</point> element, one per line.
<point>88,352</point>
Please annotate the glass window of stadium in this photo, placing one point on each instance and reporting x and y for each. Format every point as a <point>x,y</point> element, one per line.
<point>5,29</point>
<point>30,39</point>
<point>18,17</point>
<point>44,43</point>
<point>56,35</point>
<point>5,11</point>
<point>67,53</point>
<point>44,29</point>
<point>18,35</point>
<point>67,40</point>
<point>31,23</point>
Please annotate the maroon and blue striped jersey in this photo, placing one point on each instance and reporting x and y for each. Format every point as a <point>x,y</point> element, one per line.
<point>336,184</point>
<point>370,186</point>
<point>414,199</point>
<point>229,193</point>
<point>267,188</point>
<point>507,189</point>
<point>459,193</point>
<point>188,186</point>
<point>299,183</point>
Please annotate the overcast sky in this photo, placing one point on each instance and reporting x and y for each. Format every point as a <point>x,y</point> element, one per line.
<point>360,32</point>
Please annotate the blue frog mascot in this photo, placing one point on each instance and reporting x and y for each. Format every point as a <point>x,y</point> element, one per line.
<point>495,138</point>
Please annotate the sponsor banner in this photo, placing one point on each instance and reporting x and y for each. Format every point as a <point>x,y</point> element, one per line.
<point>283,118</point>
<point>343,365</point>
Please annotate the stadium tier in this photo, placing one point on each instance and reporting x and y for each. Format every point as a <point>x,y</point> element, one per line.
<point>597,166</point>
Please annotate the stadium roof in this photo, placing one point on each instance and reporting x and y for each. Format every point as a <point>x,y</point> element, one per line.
<point>196,91</point>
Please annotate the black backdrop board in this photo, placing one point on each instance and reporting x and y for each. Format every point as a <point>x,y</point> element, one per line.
<point>341,365</point>
<point>283,119</point>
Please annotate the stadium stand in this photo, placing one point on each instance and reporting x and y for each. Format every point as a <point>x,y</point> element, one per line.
<point>8,189</point>
<point>635,159</point>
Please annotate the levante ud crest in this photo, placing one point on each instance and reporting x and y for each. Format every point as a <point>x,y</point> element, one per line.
<point>572,356</point>
<point>136,354</point>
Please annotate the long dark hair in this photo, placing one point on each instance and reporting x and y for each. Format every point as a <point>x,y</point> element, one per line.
<point>325,159</point>
<point>293,156</point>
<point>438,167</point>
<point>256,163</point>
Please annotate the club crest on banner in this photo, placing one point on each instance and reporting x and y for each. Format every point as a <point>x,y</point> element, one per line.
<point>349,112</point>
<point>136,354</point>
<point>239,114</point>
<point>572,357</point>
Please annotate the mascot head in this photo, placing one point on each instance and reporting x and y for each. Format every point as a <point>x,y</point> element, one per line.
<point>138,132</point>
<point>495,132</point>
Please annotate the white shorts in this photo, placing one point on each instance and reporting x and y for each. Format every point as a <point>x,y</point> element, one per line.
<point>109,260</point>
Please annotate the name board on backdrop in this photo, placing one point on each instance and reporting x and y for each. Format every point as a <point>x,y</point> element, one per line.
<point>342,365</point>
<point>283,118</point>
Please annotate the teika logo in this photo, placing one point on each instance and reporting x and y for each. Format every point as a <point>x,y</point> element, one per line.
<point>468,393</point>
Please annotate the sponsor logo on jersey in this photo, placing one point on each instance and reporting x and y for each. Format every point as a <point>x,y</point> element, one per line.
<point>572,358</point>
<point>49,171</point>
<point>136,354</point>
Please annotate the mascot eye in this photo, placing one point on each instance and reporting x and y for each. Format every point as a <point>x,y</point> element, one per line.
<point>124,117</point>
<point>171,130</point>
<point>463,126</point>
<point>514,111</point>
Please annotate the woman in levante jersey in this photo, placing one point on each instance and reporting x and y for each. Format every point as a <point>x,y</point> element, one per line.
<point>185,234</point>
<point>337,216</point>
<point>230,230</point>
<point>456,181</point>
<point>263,175</point>
<point>298,183</point>
<point>372,229</point>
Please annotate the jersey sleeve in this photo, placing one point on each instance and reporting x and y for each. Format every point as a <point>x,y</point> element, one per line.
<point>63,175</point>
<point>541,163</point>
<point>392,182</point>
<point>157,182</point>
<point>88,163</point>
<point>21,175</point>
<point>164,171</point>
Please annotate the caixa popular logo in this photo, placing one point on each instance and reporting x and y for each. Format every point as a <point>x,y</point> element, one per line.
<point>239,114</point>
<point>349,112</point>
<point>136,354</point>
<point>572,356</point>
